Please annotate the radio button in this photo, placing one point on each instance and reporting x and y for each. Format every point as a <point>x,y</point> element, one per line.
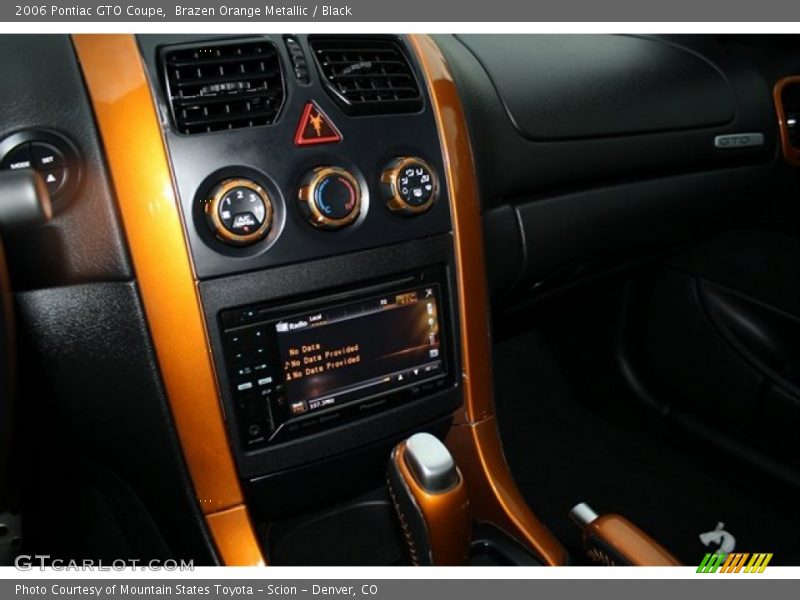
<point>298,408</point>
<point>253,418</point>
<point>241,357</point>
<point>236,339</point>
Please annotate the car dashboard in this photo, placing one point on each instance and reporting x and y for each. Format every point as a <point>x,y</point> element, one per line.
<point>272,258</point>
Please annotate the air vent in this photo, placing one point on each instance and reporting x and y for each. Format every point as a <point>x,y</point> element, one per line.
<point>223,86</point>
<point>790,97</point>
<point>368,76</point>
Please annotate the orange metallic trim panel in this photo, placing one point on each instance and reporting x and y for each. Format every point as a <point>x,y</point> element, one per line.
<point>233,533</point>
<point>474,439</point>
<point>467,228</point>
<point>446,515</point>
<point>633,544</point>
<point>790,153</point>
<point>494,493</point>
<point>137,160</point>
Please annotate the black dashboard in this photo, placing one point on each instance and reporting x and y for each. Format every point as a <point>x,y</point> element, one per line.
<point>595,151</point>
<point>316,209</point>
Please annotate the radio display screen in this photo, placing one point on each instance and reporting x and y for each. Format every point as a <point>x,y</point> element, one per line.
<point>360,349</point>
<point>294,370</point>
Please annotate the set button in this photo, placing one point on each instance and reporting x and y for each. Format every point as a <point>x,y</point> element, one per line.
<point>46,156</point>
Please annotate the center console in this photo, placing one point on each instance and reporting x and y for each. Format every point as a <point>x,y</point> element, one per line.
<point>311,182</point>
<point>314,292</point>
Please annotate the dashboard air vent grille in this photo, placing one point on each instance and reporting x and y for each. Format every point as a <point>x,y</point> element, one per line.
<point>368,76</point>
<point>791,109</point>
<point>224,86</point>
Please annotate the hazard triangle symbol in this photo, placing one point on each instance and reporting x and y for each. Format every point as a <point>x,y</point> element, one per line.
<point>315,127</point>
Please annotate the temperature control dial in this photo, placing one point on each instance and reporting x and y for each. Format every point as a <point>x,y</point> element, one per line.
<point>239,212</point>
<point>330,197</point>
<point>409,185</point>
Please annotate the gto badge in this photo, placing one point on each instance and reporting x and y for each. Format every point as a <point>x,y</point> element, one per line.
<point>739,140</point>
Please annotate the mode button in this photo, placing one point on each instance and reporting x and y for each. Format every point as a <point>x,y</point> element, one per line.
<point>18,158</point>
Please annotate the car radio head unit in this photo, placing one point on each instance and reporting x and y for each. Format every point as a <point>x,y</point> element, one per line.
<point>298,369</point>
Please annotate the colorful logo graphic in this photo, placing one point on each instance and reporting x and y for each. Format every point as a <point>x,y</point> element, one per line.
<point>734,562</point>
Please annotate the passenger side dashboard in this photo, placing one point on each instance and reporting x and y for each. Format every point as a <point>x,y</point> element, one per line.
<point>594,152</point>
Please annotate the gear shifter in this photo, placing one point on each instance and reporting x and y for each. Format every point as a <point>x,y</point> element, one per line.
<point>431,500</point>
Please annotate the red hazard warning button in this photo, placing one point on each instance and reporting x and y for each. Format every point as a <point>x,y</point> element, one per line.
<point>315,128</point>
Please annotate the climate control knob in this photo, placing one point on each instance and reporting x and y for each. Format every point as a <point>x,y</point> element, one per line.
<point>330,197</point>
<point>409,185</point>
<point>239,211</point>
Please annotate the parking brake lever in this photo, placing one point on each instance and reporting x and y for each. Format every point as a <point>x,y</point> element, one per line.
<point>612,540</point>
<point>430,497</point>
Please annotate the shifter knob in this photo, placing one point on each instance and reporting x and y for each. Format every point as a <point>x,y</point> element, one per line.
<point>431,500</point>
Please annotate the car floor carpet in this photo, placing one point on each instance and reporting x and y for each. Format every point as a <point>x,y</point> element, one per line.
<point>561,453</point>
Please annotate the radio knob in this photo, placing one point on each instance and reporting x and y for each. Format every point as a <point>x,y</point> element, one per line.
<point>330,197</point>
<point>239,212</point>
<point>409,185</point>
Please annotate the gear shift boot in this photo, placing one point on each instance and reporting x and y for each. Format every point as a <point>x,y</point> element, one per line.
<point>430,497</point>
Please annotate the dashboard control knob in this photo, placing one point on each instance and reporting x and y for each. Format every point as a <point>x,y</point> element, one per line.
<point>239,211</point>
<point>330,197</point>
<point>409,185</point>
